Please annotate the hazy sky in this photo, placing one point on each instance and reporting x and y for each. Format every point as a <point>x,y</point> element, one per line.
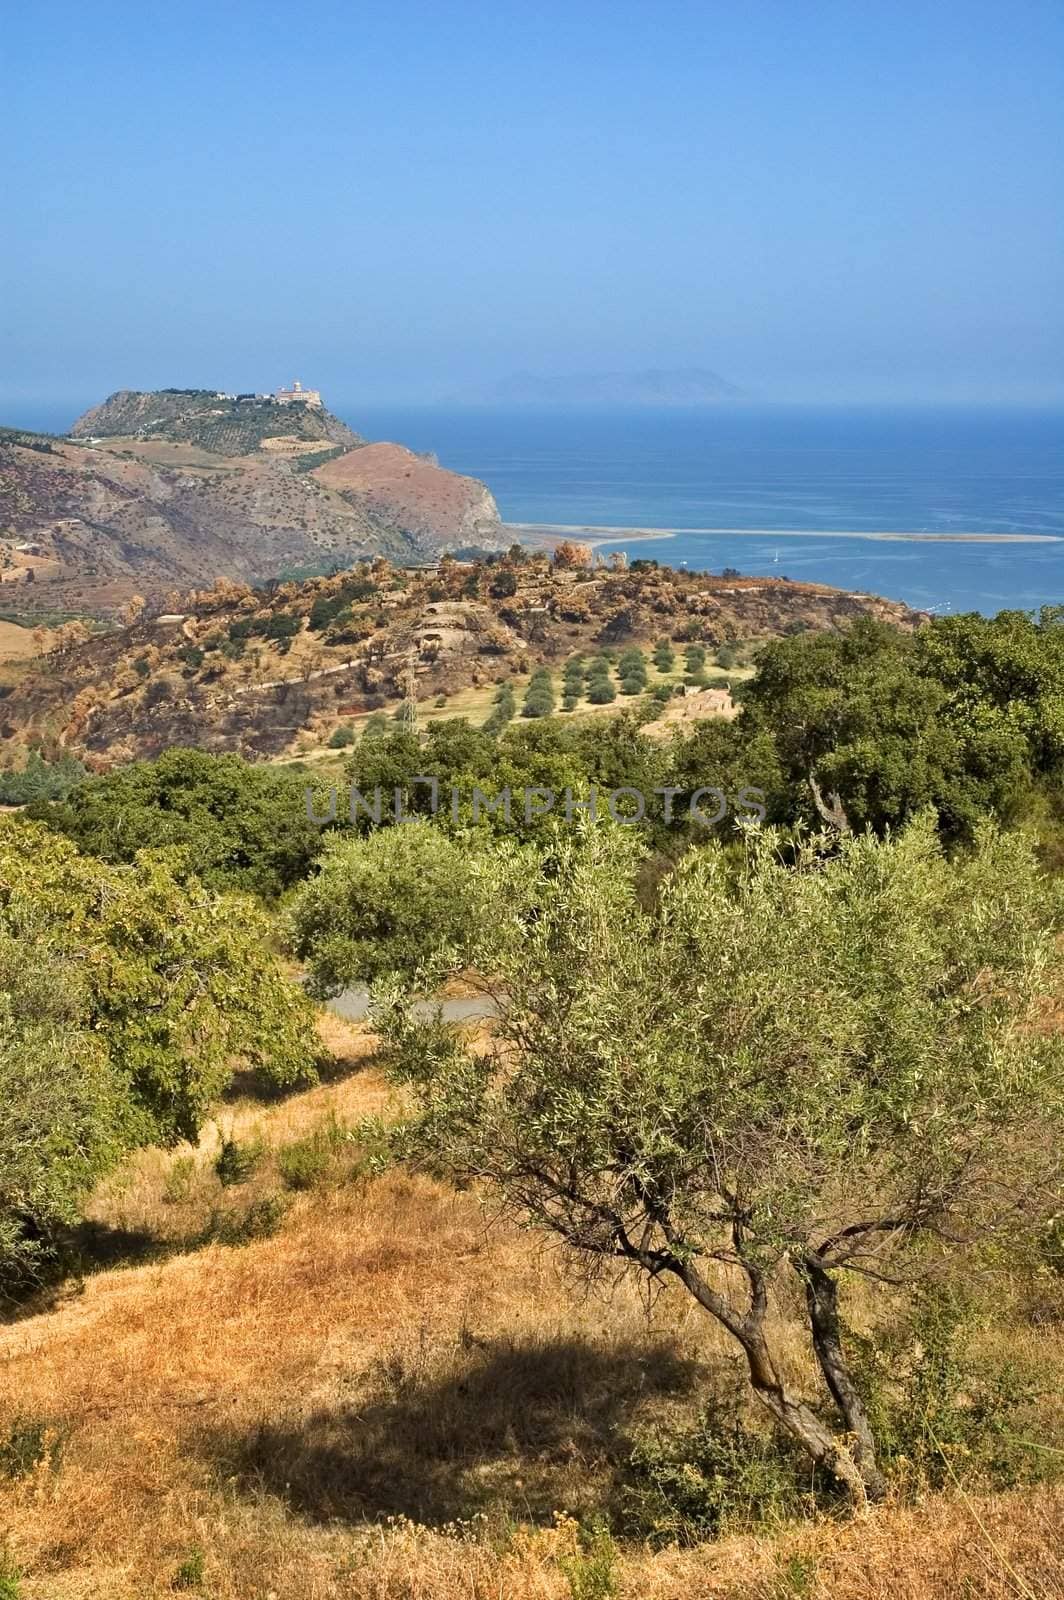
<point>816,198</point>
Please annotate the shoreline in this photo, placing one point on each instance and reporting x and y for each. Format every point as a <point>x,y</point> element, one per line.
<point>595,535</point>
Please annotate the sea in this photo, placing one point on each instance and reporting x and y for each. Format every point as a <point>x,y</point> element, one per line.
<point>789,491</point>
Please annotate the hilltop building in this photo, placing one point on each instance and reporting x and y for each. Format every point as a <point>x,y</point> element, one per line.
<point>307,397</point>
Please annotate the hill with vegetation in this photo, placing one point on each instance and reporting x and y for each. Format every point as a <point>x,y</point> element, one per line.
<point>159,492</point>
<point>228,425</point>
<point>283,669</point>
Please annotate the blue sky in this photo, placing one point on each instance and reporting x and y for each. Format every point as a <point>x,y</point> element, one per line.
<point>819,199</point>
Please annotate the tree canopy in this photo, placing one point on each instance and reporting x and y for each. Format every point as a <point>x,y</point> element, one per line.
<point>790,1069</point>
<point>175,981</point>
<point>381,905</point>
<point>240,826</point>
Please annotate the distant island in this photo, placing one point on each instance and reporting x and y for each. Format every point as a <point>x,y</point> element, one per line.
<point>685,386</point>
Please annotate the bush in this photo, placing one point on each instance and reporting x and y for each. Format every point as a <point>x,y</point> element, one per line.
<point>190,1573</point>
<point>719,1477</point>
<point>177,1189</point>
<point>380,904</point>
<point>41,780</point>
<point>664,656</point>
<point>260,1220</point>
<point>175,985</point>
<point>10,1576</point>
<point>940,1410</point>
<point>305,1163</point>
<point>590,1569</point>
<point>341,737</point>
<point>240,825</point>
<point>235,1162</point>
<point>601,692</point>
<point>539,696</point>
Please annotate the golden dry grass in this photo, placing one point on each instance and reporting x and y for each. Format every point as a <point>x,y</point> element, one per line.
<point>336,1412</point>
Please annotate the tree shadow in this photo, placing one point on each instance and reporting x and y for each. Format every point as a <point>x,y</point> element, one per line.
<point>83,1249</point>
<point>530,1426</point>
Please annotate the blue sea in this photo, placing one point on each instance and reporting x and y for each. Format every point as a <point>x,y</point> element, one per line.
<point>803,476</point>
<point>804,486</point>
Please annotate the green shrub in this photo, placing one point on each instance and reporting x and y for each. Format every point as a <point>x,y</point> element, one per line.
<point>235,1162</point>
<point>539,696</point>
<point>190,1573</point>
<point>41,780</point>
<point>601,692</point>
<point>718,1477</point>
<point>591,1571</point>
<point>10,1576</point>
<point>341,737</point>
<point>940,1410</point>
<point>305,1163</point>
<point>260,1220</point>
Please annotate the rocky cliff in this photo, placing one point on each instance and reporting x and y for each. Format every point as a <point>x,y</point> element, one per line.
<point>428,504</point>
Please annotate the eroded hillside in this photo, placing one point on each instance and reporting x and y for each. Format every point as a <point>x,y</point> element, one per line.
<point>161,492</point>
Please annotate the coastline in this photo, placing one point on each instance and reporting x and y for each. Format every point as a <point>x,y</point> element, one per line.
<point>599,534</point>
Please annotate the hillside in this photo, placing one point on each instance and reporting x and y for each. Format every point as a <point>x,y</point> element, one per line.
<point>330,1412</point>
<point>270,672</point>
<point>396,483</point>
<point>161,492</point>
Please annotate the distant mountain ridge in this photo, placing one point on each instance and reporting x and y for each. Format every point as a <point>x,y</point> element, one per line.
<point>655,386</point>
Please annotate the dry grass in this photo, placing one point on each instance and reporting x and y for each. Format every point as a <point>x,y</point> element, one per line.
<point>338,1412</point>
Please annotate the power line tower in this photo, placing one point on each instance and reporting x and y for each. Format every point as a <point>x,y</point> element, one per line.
<point>408,708</point>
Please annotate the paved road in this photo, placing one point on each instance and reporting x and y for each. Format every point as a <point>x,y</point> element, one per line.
<point>353,1005</point>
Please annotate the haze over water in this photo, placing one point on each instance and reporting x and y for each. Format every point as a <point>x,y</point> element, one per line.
<point>839,471</point>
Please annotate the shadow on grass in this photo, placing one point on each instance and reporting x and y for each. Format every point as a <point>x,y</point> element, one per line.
<point>95,1246</point>
<point>529,1427</point>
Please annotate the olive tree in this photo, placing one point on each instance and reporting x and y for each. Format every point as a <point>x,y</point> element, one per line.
<point>381,905</point>
<point>795,1070</point>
